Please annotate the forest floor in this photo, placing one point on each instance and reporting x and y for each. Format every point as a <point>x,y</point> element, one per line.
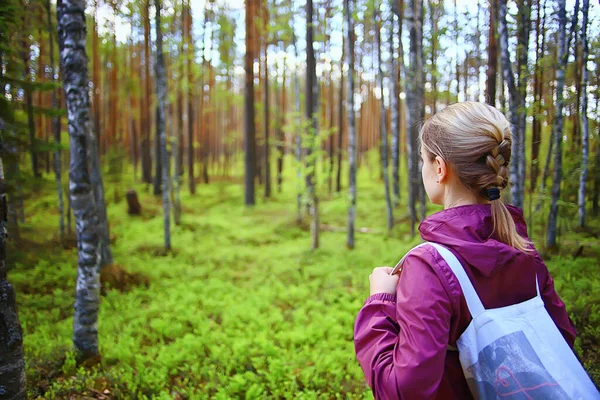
<point>241,307</point>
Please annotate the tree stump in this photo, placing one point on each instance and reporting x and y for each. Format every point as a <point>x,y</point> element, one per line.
<point>133,204</point>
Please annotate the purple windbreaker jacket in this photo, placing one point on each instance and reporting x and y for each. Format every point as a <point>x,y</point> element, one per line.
<point>401,340</point>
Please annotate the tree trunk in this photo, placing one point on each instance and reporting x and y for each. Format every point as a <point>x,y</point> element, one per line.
<point>516,93</point>
<point>311,100</point>
<point>157,187</point>
<point>188,102</point>
<point>596,193</point>
<point>29,103</point>
<point>351,123</point>
<point>536,134</point>
<point>249,131</point>
<point>395,116</point>
<point>206,113</point>
<point>12,363</point>
<point>114,94</point>
<point>523,33</point>
<point>576,77</point>
<point>161,104</point>
<point>338,179</point>
<point>490,87</point>
<point>280,132</point>
<point>414,107</point>
<point>266,113</point>
<point>456,66</point>
<point>74,62</point>
<point>383,124</point>
<point>584,120</point>
<point>546,171</point>
<point>557,126</point>
<point>96,99</point>
<point>146,153</point>
<point>56,128</point>
<point>95,171</point>
<point>106,257</point>
<point>298,136</point>
<point>434,41</point>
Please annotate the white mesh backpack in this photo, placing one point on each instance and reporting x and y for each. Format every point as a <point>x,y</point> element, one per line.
<point>516,352</point>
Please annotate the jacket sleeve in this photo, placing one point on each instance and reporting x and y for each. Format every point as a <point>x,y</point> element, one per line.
<point>401,340</point>
<point>554,305</point>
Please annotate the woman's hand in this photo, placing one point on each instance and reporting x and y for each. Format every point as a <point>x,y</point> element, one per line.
<point>382,282</point>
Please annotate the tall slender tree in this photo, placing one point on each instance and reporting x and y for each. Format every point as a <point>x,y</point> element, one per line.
<point>249,125</point>
<point>414,106</point>
<point>394,109</point>
<point>571,34</point>
<point>298,136</point>
<point>12,362</point>
<point>348,12</point>
<point>585,142</point>
<point>490,86</point>
<point>266,110</point>
<point>74,62</point>
<point>28,92</point>
<point>536,129</point>
<point>340,127</point>
<point>145,142</point>
<point>56,129</point>
<point>96,98</point>
<point>382,126</point>
<point>161,106</point>
<point>557,125</point>
<point>517,91</point>
<point>158,158</point>
<point>311,116</point>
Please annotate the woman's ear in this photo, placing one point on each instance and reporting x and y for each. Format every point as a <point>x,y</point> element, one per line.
<point>441,169</point>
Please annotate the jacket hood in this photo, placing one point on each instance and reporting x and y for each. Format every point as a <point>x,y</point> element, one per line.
<point>467,230</point>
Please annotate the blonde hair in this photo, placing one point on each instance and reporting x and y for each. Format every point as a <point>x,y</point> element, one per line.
<point>475,139</point>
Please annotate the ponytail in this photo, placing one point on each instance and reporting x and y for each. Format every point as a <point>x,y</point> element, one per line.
<point>505,229</point>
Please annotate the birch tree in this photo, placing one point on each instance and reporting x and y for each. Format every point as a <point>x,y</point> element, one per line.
<point>557,125</point>
<point>571,34</point>
<point>382,127</point>
<point>74,62</point>
<point>517,91</point>
<point>585,143</point>
<point>414,107</point>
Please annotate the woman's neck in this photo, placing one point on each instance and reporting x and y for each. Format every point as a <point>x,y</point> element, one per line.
<point>464,197</point>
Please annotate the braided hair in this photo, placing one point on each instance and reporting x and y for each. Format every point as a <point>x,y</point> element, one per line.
<point>475,139</point>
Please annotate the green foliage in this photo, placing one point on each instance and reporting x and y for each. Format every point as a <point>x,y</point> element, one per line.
<point>241,308</point>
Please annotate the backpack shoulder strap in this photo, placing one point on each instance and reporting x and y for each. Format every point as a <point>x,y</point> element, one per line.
<point>399,265</point>
<point>473,302</point>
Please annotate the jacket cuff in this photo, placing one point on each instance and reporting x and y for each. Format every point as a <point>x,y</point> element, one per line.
<point>384,297</point>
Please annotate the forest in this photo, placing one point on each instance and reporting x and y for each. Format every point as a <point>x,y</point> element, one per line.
<point>194,193</point>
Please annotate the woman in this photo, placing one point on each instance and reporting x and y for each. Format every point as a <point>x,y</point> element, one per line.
<point>405,334</point>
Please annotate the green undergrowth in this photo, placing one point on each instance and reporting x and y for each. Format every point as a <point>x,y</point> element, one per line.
<point>241,307</point>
